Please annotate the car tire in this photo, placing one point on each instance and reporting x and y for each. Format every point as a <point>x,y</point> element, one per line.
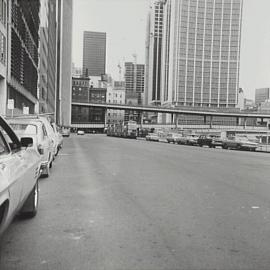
<point>47,171</point>
<point>225,146</point>
<point>30,207</point>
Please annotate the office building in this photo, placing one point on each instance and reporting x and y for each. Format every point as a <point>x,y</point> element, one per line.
<point>94,53</point>
<point>3,59</point>
<point>116,94</point>
<point>261,95</point>
<point>64,62</point>
<point>43,58</point>
<point>51,56</point>
<point>201,53</point>
<point>83,92</point>
<point>23,43</point>
<point>154,38</point>
<point>134,81</point>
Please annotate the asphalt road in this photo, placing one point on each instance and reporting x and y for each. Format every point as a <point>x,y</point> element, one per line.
<point>112,203</point>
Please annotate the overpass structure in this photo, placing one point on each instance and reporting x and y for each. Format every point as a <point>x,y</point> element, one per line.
<point>175,111</point>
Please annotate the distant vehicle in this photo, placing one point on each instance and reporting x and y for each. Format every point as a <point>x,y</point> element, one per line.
<point>41,141</point>
<point>80,132</point>
<point>192,139</point>
<point>125,130</point>
<point>210,141</point>
<point>173,137</point>
<point>239,143</point>
<point>65,132</point>
<point>182,140</point>
<point>152,137</point>
<point>19,173</point>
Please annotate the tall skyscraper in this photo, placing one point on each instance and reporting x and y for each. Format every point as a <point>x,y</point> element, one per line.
<point>154,37</point>
<point>64,62</point>
<point>201,52</point>
<point>134,81</point>
<point>94,53</point>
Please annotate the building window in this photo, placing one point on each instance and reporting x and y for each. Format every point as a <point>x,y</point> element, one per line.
<point>3,7</point>
<point>2,48</point>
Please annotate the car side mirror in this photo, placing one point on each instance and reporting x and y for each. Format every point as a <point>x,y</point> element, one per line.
<point>26,141</point>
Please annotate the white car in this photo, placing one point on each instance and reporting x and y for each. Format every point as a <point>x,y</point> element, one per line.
<point>80,132</point>
<point>59,137</point>
<point>50,133</point>
<point>152,137</point>
<point>41,141</point>
<point>19,173</point>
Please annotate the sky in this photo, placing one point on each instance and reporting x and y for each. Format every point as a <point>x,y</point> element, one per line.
<point>124,21</point>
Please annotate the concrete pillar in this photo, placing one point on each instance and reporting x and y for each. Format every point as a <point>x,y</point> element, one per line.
<point>211,121</point>
<point>237,121</point>
<point>176,120</point>
<point>245,122</point>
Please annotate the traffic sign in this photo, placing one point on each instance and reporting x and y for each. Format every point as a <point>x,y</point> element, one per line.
<point>10,104</point>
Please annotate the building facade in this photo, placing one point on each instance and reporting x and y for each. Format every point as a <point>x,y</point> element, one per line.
<point>43,57</point>
<point>261,95</point>
<point>94,53</point>
<point>116,95</point>
<point>64,62</point>
<point>51,56</point>
<point>134,81</point>
<point>154,36</point>
<point>83,92</point>
<point>201,52</point>
<point>3,58</point>
<point>23,43</point>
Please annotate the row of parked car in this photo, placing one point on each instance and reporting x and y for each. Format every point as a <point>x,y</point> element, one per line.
<point>28,147</point>
<point>212,141</point>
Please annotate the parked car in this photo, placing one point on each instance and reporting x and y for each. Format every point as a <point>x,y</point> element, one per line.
<point>173,137</point>
<point>65,132</point>
<point>210,141</point>
<point>152,137</point>
<point>19,173</point>
<point>239,143</point>
<point>50,133</point>
<point>41,141</point>
<point>192,139</point>
<point>59,137</point>
<point>182,140</point>
<point>80,132</point>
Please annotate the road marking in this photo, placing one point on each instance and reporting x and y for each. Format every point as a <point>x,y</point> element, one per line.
<point>255,207</point>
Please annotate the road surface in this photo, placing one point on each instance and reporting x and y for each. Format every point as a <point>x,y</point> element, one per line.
<point>114,203</point>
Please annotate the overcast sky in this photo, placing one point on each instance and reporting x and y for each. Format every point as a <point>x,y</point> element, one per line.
<point>124,21</point>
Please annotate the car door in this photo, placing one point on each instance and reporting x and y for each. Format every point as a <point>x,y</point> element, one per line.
<point>12,169</point>
<point>46,144</point>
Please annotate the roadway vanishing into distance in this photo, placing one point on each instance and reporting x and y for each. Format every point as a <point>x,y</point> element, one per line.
<point>113,203</point>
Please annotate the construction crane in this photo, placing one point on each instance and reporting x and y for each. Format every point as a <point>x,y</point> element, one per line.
<point>120,71</point>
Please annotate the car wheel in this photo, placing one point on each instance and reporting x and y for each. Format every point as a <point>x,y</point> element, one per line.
<point>225,146</point>
<point>46,172</point>
<point>30,206</point>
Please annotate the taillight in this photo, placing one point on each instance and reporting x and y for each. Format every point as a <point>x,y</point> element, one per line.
<point>40,149</point>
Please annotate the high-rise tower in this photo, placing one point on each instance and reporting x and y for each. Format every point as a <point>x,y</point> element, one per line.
<point>154,37</point>
<point>201,52</point>
<point>94,53</point>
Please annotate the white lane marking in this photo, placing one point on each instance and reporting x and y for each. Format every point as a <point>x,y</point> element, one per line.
<point>255,207</point>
